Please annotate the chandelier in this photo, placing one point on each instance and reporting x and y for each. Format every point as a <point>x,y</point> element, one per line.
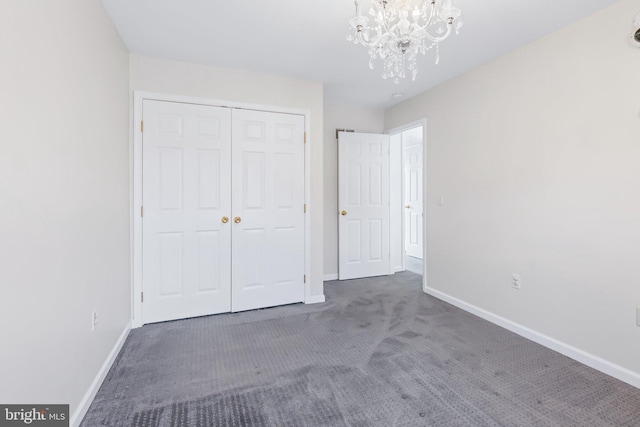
<point>400,29</point>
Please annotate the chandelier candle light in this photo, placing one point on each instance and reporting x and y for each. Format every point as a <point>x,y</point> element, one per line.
<point>401,29</point>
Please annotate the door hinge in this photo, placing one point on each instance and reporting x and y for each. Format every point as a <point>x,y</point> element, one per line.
<point>142,126</point>
<point>141,296</point>
<point>141,211</point>
<point>305,208</point>
<point>305,278</point>
<point>305,137</point>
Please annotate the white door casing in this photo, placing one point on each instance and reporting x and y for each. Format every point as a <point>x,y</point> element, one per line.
<point>363,203</point>
<point>413,208</point>
<point>268,209</point>
<point>186,171</point>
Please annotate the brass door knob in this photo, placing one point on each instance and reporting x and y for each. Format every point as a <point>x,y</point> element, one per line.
<point>225,219</point>
<point>408,207</point>
<point>237,220</point>
<point>344,213</point>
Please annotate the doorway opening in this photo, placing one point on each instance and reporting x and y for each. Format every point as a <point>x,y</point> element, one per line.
<point>412,170</point>
<point>408,223</point>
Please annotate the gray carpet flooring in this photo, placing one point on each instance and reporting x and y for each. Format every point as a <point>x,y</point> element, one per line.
<point>379,352</point>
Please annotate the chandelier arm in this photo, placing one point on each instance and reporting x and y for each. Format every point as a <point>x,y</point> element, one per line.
<point>362,41</point>
<point>432,14</point>
<point>359,32</point>
<point>384,22</point>
<point>441,38</point>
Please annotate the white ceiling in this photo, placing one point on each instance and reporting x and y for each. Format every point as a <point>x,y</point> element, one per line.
<point>307,39</point>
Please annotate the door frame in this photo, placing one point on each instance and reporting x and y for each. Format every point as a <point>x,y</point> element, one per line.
<point>135,155</point>
<point>398,151</point>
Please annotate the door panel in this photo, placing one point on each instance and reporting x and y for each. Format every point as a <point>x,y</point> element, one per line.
<point>413,200</point>
<point>268,200</point>
<point>186,175</point>
<point>209,179</point>
<point>363,180</point>
<point>170,263</point>
<point>209,253</point>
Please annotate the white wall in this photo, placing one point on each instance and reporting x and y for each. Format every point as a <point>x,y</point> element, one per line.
<point>340,117</point>
<point>537,155</point>
<point>64,197</point>
<point>203,81</point>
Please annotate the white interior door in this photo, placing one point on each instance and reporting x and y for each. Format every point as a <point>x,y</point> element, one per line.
<point>363,203</point>
<point>268,209</point>
<point>186,195</point>
<point>413,200</point>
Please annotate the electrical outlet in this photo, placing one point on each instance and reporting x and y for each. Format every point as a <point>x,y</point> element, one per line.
<point>516,281</point>
<point>94,319</point>
<point>441,201</point>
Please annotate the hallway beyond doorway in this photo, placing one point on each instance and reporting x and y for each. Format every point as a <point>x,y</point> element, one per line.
<point>413,264</point>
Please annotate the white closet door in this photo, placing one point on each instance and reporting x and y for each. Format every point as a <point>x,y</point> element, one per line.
<point>186,194</point>
<point>363,201</point>
<point>268,209</point>
<point>413,200</point>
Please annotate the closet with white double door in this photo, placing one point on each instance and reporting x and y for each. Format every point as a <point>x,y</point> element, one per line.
<point>223,210</point>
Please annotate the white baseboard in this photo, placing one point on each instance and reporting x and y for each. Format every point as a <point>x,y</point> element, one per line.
<point>595,362</point>
<point>314,299</point>
<point>330,277</point>
<point>85,403</point>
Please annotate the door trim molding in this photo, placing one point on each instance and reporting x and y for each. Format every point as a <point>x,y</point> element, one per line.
<point>135,156</point>
<point>396,130</point>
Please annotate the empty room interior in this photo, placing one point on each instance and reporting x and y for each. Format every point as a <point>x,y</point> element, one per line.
<point>401,212</point>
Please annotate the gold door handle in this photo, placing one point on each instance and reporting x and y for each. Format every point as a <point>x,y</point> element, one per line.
<point>237,220</point>
<point>343,213</point>
<point>225,219</point>
<point>408,207</point>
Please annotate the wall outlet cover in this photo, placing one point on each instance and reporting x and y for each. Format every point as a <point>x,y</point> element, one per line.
<point>94,319</point>
<point>516,281</point>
